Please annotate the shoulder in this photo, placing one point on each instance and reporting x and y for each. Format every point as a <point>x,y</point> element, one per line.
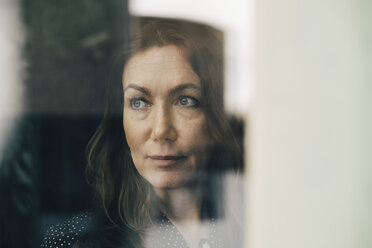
<point>68,232</point>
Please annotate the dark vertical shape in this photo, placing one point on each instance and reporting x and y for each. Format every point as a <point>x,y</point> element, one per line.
<point>70,48</point>
<point>18,188</point>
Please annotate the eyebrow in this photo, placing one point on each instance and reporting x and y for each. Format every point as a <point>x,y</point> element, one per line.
<point>183,87</point>
<point>139,88</point>
<point>175,90</point>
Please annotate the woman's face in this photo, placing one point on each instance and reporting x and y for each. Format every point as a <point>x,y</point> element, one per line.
<point>164,122</point>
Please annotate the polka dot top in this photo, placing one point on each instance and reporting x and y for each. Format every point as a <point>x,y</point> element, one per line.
<point>163,235</point>
<point>66,233</point>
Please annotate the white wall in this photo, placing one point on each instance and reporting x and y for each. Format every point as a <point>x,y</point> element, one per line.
<point>311,132</point>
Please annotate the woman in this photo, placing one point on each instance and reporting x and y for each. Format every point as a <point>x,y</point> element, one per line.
<point>159,157</point>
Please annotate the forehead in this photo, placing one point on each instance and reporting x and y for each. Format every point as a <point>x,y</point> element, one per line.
<point>159,67</point>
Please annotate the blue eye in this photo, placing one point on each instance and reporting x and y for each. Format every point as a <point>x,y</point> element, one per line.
<point>188,101</point>
<point>138,103</point>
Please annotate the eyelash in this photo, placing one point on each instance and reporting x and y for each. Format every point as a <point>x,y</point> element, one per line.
<point>134,99</point>
<point>195,104</point>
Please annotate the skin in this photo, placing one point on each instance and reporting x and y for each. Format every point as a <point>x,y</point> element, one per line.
<point>166,130</point>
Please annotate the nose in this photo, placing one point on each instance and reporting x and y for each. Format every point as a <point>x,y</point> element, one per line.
<point>162,126</point>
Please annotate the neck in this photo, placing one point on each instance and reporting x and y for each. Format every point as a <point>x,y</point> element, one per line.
<point>181,204</point>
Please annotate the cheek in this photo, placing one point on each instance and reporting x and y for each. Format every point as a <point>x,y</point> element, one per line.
<point>132,138</point>
<point>131,133</point>
<point>196,134</point>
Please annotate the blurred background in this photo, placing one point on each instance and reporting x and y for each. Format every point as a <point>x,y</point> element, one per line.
<point>297,71</point>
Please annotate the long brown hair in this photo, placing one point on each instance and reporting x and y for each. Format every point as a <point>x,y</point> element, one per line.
<point>124,195</point>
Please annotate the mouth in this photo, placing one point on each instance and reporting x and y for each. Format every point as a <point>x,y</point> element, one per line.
<point>166,160</point>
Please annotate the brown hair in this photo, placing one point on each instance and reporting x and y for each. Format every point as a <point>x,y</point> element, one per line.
<point>124,194</point>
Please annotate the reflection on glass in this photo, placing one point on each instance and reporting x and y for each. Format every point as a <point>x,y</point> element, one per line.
<point>165,161</point>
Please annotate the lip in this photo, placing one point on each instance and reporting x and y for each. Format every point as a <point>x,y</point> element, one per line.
<point>166,160</point>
